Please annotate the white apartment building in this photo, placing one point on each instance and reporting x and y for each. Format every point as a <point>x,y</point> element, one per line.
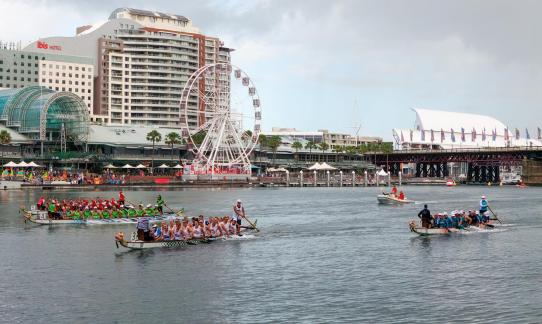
<point>142,60</point>
<point>58,72</point>
<point>76,78</point>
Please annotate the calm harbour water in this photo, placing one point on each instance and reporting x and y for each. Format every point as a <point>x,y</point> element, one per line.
<point>324,255</point>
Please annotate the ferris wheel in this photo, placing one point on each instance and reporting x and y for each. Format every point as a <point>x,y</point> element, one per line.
<point>221,117</point>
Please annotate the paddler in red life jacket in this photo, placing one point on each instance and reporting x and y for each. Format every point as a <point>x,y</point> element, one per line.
<point>122,198</point>
<point>394,191</point>
<point>401,196</point>
<point>238,213</point>
<point>41,203</point>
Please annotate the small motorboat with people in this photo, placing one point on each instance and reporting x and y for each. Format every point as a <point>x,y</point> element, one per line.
<point>95,212</point>
<point>451,183</point>
<point>393,197</point>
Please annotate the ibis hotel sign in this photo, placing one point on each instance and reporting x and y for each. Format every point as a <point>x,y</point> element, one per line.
<point>44,45</point>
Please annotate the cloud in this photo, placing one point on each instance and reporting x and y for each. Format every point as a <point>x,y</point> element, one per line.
<point>312,57</point>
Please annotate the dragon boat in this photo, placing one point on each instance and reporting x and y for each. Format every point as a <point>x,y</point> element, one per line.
<point>422,231</point>
<point>134,244</point>
<point>41,217</point>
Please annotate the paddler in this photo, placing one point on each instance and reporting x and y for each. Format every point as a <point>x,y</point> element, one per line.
<point>159,204</point>
<point>238,214</point>
<point>122,198</point>
<point>394,191</point>
<point>401,195</point>
<point>483,209</point>
<point>143,229</point>
<point>425,216</point>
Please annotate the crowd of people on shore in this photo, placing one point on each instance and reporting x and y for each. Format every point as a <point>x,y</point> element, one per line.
<point>98,208</point>
<point>457,218</point>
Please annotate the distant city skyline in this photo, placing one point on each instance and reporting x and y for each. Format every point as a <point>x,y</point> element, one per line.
<point>335,65</point>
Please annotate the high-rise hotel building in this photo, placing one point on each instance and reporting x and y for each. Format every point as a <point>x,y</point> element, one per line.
<point>142,60</point>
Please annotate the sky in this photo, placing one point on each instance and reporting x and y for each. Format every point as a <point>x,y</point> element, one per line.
<point>335,65</point>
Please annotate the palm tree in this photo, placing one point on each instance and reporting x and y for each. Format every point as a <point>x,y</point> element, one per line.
<point>274,142</point>
<point>337,150</point>
<point>5,139</point>
<point>246,134</point>
<point>172,139</point>
<point>153,136</point>
<point>310,145</point>
<point>297,146</point>
<point>324,146</point>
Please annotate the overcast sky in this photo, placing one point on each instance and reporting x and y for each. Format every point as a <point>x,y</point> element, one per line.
<point>335,64</point>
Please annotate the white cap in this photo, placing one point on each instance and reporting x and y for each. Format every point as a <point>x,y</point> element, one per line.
<point>484,197</point>
<point>238,200</point>
<point>149,206</point>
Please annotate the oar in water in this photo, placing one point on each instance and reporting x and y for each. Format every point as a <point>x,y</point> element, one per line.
<point>495,215</point>
<point>251,224</point>
<point>174,212</point>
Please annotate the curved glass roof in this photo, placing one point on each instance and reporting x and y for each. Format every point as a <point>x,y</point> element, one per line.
<point>41,113</point>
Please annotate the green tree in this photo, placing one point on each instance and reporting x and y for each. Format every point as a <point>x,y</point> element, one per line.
<point>309,146</point>
<point>246,134</point>
<point>324,147</point>
<point>297,146</point>
<point>155,137</point>
<point>199,137</point>
<point>5,139</point>
<point>262,139</point>
<point>274,142</point>
<point>173,139</point>
<point>337,150</point>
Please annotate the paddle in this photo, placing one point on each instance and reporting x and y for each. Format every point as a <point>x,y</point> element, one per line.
<point>494,214</point>
<point>176,213</point>
<point>252,224</point>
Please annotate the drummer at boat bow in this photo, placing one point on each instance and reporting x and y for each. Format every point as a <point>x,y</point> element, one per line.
<point>425,216</point>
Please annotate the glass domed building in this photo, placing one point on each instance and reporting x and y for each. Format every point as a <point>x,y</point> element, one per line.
<point>42,114</point>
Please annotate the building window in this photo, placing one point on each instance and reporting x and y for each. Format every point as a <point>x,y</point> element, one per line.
<point>56,88</point>
<point>63,89</point>
<point>83,68</point>
<point>42,80</point>
<point>63,75</point>
<point>70,68</point>
<point>50,80</point>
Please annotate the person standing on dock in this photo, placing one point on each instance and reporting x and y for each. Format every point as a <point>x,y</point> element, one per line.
<point>425,216</point>
<point>238,213</point>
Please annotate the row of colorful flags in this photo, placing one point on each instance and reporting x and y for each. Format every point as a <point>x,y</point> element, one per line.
<point>474,135</point>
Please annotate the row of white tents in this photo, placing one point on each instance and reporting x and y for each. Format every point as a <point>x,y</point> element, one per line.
<point>316,167</point>
<point>22,164</point>
<point>141,166</point>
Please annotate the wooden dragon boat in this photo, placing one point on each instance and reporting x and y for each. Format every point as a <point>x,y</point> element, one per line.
<point>135,244</point>
<point>389,199</point>
<point>42,218</point>
<point>446,231</point>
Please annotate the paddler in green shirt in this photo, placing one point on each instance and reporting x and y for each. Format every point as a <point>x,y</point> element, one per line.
<point>159,204</point>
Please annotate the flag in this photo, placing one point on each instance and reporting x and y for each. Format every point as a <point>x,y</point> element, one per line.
<point>452,135</point>
<point>539,133</point>
<point>411,135</point>
<point>494,134</point>
<point>517,134</point>
<point>422,134</point>
<point>402,137</point>
<point>432,136</point>
<point>442,137</point>
<point>484,134</point>
<point>473,134</point>
<point>527,134</point>
<point>462,134</point>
